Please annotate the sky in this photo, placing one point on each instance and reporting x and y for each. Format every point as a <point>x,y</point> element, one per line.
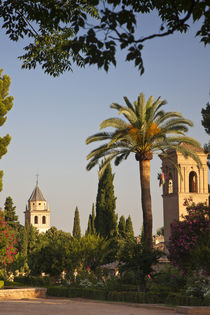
<point>52,117</point>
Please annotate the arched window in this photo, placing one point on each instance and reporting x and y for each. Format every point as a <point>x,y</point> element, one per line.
<point>170,184</point>
<point>36,220</point>
<point>43,220</point>
<point>193,182</point>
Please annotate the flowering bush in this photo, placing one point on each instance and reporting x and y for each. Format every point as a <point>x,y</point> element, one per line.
<point>198,287</point>
<point>190,239</point>
<point>7,243</point>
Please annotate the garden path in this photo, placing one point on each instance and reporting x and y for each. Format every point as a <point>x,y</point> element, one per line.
<point>74,307</point>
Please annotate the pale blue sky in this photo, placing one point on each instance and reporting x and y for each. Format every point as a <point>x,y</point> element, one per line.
<point>52,117</point>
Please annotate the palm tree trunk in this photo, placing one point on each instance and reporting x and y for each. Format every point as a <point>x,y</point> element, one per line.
<point>144,166</point>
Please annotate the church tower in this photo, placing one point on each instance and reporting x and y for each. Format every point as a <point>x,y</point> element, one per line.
<point>193,184</point>
<point>37,211</point>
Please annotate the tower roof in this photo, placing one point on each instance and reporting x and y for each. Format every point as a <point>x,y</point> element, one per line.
<point>37,195</point>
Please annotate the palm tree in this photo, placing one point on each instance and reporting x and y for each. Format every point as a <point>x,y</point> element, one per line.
<point>148,130</point>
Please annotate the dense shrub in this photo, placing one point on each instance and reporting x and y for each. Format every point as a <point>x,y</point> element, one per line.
<point>8,250</point>
<point>169,279</point>
<point>33,281</point>
<point>189,244</point>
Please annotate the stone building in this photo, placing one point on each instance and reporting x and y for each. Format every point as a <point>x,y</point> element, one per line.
<point>37,211</point>
<point>194,184</point>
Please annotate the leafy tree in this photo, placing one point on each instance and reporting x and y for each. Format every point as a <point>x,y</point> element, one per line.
<point>90,32</point>
<point>121,226</point>
<point>148,130</point>
<point>6,103</point>
<point>138,259</point>
<point>10,214</point>
<point>106,219</point>
<point>50,255</point>
<point>189,244</point>
<point>76,228</point>
<point>129,227</point>
<point>93,250</point>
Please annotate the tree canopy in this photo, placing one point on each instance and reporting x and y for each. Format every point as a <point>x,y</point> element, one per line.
<point>6,103</point>
<point>90,32</point>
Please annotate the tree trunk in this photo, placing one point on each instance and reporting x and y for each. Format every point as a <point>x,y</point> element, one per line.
<point>144,166</point>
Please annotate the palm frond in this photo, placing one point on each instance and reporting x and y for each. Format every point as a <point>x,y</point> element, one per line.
<point>129,114</point>
<point>149,103</point>
<point>176,121</point>
<point>96,152</point>
<point>121,157</point>
<point>104,164</point>
<point>140,108</point>
<point>114,122</point>
<point>128,103</point>
<point>187,152</point>
<point>167,115</point>
<point>157,104</point>
<point>184,140</point>
<point>179,129</point>
<point>115,106</point>
<point>154,110</point>
<point>98,137</point>
<point>166,155</point>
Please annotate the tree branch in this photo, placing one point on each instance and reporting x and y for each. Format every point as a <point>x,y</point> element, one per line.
<point>171,31</point>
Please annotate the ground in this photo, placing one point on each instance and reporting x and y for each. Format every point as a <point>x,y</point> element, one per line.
<point>75,307</point>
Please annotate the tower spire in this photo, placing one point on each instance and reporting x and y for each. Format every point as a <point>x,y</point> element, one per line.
<point>37,179</point>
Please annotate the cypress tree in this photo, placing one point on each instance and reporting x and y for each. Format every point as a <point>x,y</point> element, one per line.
<point>6,103</point>
<point>129,227</point>
<point>93,217</point>
<point>121,226</point>
<point>91,222</point>
<point>76,228</point>
<point>106,219</point>
<point>10,214</point>
<point>89,227</point>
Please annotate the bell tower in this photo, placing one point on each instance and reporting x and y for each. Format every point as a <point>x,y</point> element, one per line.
<point>37,210</point>
<point>193,184</point>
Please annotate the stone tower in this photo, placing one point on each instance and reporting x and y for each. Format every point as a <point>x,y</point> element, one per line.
<point>194,184</point>
<point>37,211</point>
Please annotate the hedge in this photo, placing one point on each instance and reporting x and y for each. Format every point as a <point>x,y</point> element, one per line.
<point>133,297</point>
<point>95,294</point>
<point>33,281</point>
<point>178,299</point>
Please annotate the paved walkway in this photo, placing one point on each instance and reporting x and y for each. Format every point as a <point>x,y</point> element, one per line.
<point>74,307</point>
